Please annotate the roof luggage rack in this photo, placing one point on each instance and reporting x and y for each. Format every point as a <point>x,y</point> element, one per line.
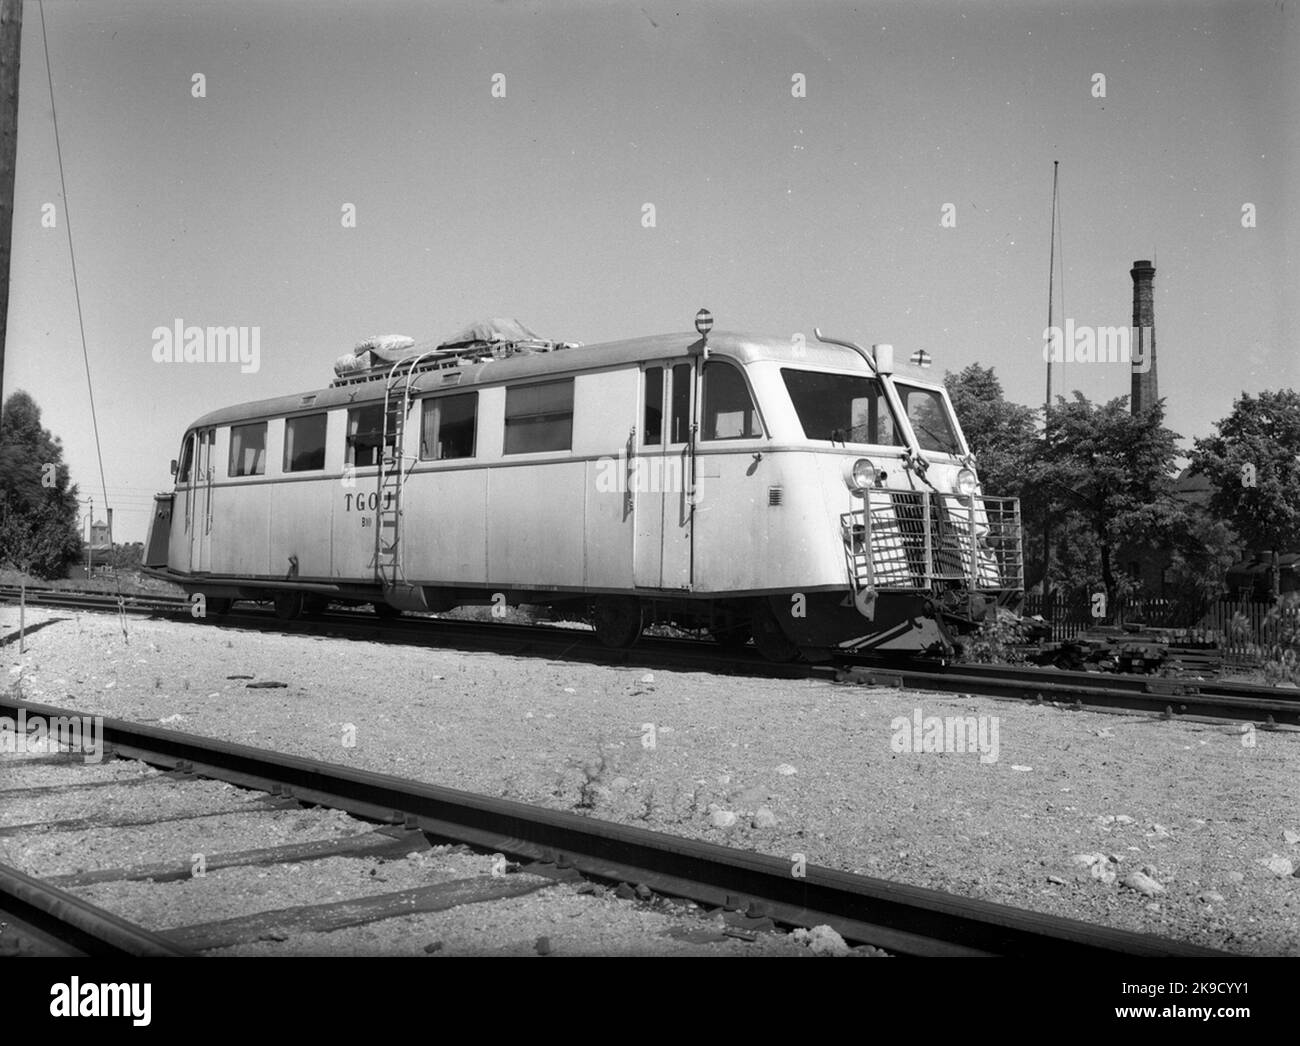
<point>352,370</point>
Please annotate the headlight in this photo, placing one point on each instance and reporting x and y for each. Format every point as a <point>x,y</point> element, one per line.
<point>966,483</point>
<point>861,476</point>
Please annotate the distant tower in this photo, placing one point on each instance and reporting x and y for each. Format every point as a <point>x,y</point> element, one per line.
<point>1144,390</point>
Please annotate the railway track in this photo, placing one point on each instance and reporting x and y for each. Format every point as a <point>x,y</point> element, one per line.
<point>39,918</point>
<point>755,888</point>
<point>133,810</point>
<point>131,602</point>
<point>1265,706</point>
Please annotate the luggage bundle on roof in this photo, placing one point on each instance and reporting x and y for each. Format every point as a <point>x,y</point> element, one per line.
<point>484,340</point>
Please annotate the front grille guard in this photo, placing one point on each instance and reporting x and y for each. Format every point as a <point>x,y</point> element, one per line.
<point>914,540</point>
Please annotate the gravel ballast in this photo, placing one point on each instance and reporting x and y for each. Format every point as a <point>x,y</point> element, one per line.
<point>1180,829</point>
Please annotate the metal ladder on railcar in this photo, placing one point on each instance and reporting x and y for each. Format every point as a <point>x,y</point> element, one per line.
<point>391,479</point>
<point>392,472</point>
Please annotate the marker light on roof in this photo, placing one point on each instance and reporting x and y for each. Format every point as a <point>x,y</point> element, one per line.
<point>704,322</point>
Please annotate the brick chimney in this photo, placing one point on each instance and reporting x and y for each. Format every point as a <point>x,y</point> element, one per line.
<point>1144,390</point>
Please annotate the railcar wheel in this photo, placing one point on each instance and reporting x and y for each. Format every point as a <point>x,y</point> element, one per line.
<point>734,638</point>
<point>217,606</point>
<point>288,605</point>
<point>770,637</point>
<point>618,620</point>
<point>315,606</point>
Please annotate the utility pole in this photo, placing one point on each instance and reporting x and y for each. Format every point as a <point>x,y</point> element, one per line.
<point>1051,277</point>
<point>1047,403</point>
<point>11,41</point>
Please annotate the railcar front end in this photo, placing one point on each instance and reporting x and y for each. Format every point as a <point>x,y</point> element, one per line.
<point>904,553</point>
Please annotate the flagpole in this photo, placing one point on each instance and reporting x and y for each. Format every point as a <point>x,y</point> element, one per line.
<point>1047,402</point>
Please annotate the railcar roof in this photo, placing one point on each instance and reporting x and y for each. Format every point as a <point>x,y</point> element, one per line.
<point>744,348</point>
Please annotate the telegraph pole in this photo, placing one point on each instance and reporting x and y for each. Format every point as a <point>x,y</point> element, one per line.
<point>11,40</point>
<point>1047,403</point>
<point>1051,277</point>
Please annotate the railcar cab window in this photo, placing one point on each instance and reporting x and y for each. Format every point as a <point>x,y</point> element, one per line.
<point>248,450</point>
<point>304,443</point>
<point>539,417</point>
<point>929,419</point>
<point>365,432</point>
<point>187,460</point>
<point>842,408</point>
<point>728,408</point>
<point>448,426</point>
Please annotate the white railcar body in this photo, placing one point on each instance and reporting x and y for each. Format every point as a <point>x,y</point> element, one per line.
<point>695,480</point>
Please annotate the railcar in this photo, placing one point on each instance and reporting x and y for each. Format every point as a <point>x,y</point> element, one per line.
<point>801,494</point>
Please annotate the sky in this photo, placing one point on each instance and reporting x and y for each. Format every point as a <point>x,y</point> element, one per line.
<point>801,159</point>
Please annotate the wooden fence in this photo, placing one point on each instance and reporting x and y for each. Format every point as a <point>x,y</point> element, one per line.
<point>1243,630</point>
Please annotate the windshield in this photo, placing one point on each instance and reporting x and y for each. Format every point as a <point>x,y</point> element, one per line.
<point>842,408</point>
<point>930,419</point>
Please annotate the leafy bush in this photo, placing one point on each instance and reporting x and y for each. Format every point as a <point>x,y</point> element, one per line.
<point>996,641</point>
<point>1282,645</point>
<point>1276,643</point>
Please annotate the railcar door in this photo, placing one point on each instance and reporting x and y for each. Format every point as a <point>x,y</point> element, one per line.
<point>661,476</point>
<point>200,502</point>
<point>178,548</point>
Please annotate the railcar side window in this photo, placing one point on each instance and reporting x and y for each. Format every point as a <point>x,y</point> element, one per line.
<point>365,430</point>
<point>304,443</point>
<point>448,426</point>
<point>654,407</point>
<point>539,417</point>
<point>728,408</point>
<point>679,425</point>
<point>187,460</point>
<point>247,450</point>
<point>841,408</point>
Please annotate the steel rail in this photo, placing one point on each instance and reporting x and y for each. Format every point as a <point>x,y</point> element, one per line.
<point>904,919</point>
<point>1233,702</point>
<point>1241,704</point>
<point>497,637</point>
<point>80,927</point>
<point>133,602</point>
<point>1138,682</point>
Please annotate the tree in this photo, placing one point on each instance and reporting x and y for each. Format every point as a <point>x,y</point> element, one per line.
<point>999,433</point>
<point>1110,474</point>
<point>126,557</point>
<point>38,506</point>
<point>1254,464</point>
<point>1076,551</point>
<point>1199,557</point>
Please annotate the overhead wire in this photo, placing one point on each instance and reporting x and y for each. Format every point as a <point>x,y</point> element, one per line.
<point>76,286</point>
